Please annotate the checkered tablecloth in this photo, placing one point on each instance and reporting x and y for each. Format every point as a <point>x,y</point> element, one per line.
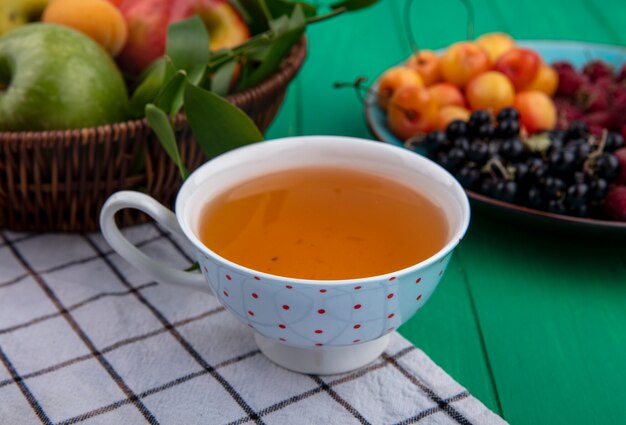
<point>85,338</point>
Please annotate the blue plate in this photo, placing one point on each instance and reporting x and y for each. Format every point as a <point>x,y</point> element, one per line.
<point>577,53</point>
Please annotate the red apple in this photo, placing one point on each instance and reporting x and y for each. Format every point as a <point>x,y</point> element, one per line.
<point>520,65</point>
<point>148,21</point>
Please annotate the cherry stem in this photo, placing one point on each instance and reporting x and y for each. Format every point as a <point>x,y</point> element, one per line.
<point>408,27</point>
<point>587,166</point>
<point>498,164</point>
<point>470,18</point>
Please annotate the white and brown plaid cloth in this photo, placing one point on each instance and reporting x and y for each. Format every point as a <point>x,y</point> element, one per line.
<point>85,338</point>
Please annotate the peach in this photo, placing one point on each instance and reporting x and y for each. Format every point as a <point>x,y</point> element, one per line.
<point>546,80</point>
<point>148,21</point>
<point>447,94</point>
<point>393,79</point>
<point>495,44</point>
<point>449,113</point>
<point>536,109</point>
<point>412,110</point>
<point>98,19</point>
<point>426,64</point>
<point>490,90</point>
<point>462,62</point>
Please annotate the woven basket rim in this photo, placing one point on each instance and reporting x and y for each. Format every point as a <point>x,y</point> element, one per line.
<point>288,68</point>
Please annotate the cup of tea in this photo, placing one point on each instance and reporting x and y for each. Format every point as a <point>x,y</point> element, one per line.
<point>323,245</point>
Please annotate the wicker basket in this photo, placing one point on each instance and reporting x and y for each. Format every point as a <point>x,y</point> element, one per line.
<point>58,180</point>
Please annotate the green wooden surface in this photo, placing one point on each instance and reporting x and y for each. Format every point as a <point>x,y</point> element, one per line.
<point>532,322</point>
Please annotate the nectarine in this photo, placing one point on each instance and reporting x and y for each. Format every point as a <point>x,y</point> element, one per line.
<point>537,111</point>
<point>546,80</point>
<point>426,63</point>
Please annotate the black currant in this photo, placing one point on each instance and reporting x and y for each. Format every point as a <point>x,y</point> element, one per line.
<point>562,161</point>
<point>607,166</point>
<point>512,149</point>
<point>553,187</point>
<point>507,114</point>
<point>613,142</point>
<point>598,189</point>
<point>505,190</point>
<point>556,206</point>
<point>577,194</point>
<point>468,177</point>
<point>507,128</point>
<point>455,129</point>
<point>478,152</point>
<point>462,143</point>
<point>435,141</point>
<point>577,129</point>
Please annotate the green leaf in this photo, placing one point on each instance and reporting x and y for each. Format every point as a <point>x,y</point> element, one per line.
<point>222,78</point>
<point>188,43</point>
<point>170,98</point>
<point>276,51</point>
<point>256,14</point>
<point>278,8</point>
<point>353,4</point>
<point>162,127</point>
<point>217,125</point>
<point>149,87</point>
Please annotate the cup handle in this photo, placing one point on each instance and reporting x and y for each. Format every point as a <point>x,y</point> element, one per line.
<point>163,216</point>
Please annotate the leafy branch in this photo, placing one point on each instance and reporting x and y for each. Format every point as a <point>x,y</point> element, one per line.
<point>189,76</point>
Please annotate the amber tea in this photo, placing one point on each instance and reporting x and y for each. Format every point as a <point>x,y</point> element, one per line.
<point>323,223</point>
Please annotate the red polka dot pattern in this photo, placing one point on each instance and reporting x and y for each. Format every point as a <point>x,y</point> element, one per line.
<point>390,316</point>
<point>321,311</point>
<point>251,313</point>
<point>392,278</point>
<point>228,277</point>
<point>356,288</point>
<point>419,279</point>
<point>419,297</point>
<point>225,293</point>
<point>318,331</point>
<point>357,306</point>
<point>255,295</point>
<point>390,296</point>
<point>323,291</point>
<point>357,326</point>
<point>285,307</point>
<point>282,326</point>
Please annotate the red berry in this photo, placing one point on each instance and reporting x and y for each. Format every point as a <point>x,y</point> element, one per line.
<point>621,75</point>
<point>602,119</point>
<point>621,157</point>
<point>592,98</point>
<point>615,203</point>
<point>598,69</point>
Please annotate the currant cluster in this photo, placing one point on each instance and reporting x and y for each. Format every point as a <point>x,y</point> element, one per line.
<point>564,171</point>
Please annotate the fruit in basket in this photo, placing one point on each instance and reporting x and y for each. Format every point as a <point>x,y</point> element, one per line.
<point>147,22</point>
<point>15,13</point>
<point>490,90</point>
<point>536,109</point>
<point>412,110</point>
<point>54,77</point>
<point>463,61</point>
<point>495,44</point>
<point>393,79</point>
<point>520,65</point>
<point>98,19</point>
<point>546,80</point>
<point>426,64</point>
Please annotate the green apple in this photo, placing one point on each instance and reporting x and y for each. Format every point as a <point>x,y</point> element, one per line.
<point>53,77</point>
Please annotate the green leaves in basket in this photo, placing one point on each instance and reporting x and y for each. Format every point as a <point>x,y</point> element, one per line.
<point>218,125</point>
<point>278,8</point>
<point>187,47</point>
<point>353,4</point>
<point>150,84</point>
<point>265,60</point>
<point>162,127</point>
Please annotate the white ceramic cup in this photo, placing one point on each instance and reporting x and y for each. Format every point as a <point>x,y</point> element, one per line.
<point>358,314</point>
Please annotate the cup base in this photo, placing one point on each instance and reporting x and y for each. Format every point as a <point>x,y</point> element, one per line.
<point>321,360</point>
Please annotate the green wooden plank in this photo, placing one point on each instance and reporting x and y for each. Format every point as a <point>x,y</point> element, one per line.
<point>446,329</point>
<point>552,311</point>
<point>287,122</point>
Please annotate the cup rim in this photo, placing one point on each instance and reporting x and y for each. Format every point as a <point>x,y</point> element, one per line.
<point>443,252</point>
